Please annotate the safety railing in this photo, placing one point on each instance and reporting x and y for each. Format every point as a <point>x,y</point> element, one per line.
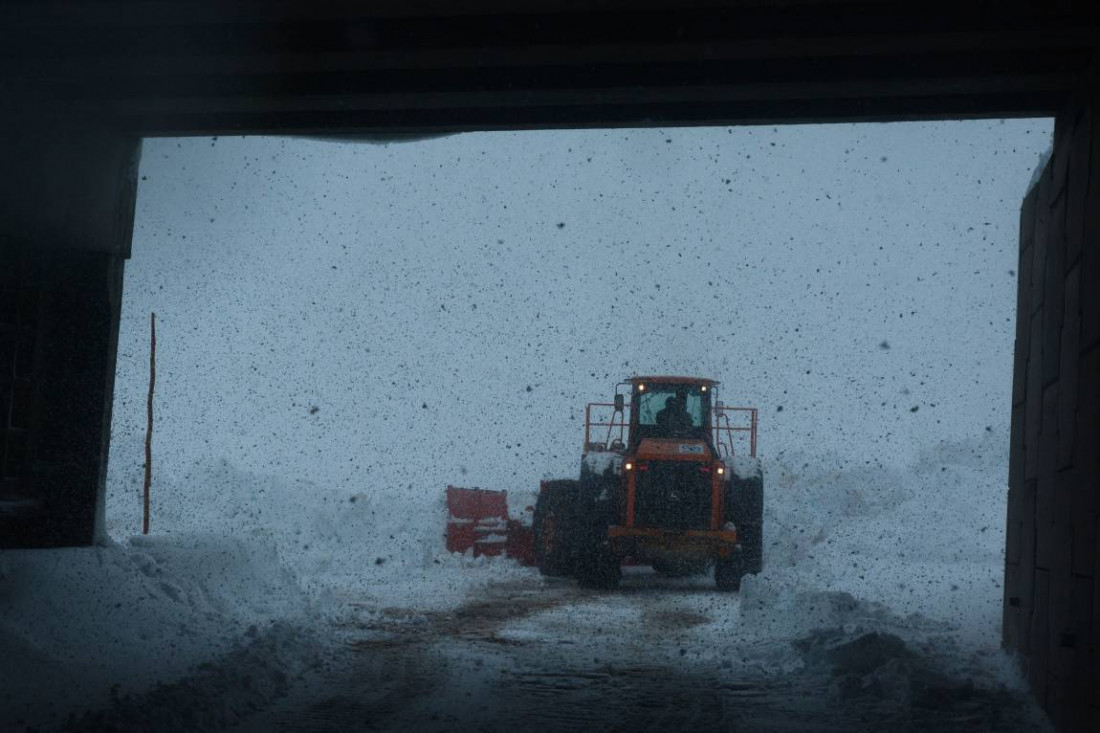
<point>725,431</point>
<point>609,433</point>
<point>594,430</point>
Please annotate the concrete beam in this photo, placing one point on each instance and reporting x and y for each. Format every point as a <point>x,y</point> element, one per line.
<point>66,219</point>
<point>66,181</point>
<point>193,67</point>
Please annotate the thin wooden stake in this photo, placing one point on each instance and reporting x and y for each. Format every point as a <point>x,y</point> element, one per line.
<point>149,426</point>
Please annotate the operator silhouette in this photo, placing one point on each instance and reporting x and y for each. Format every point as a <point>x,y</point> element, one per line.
<point>673,418</point>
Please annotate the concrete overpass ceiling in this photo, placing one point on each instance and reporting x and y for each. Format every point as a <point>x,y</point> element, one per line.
<point>190,67</point>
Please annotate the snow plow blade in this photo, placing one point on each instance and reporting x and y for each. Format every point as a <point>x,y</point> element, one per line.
<point>478,521</point>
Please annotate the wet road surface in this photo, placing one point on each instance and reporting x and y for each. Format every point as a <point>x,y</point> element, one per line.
<point>656,655</point>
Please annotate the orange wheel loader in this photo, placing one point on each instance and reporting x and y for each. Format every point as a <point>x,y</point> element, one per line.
<point>660,483</point>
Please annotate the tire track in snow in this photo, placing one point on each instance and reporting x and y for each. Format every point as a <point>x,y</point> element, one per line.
<point>536,654</point>
<point>393,665</point>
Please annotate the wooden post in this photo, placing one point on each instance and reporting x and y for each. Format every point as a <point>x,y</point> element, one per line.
<point>149,426</point>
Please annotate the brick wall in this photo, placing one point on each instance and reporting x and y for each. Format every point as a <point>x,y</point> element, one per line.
<point>1052,599</point>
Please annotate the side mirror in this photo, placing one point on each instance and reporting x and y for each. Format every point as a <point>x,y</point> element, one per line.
<point>620,402</point>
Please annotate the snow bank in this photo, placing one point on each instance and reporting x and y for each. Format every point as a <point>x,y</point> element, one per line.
<point>927,539</point>
<point>222,604</point>
<point>106,621</point>
<point>375,544</point>
<point>223,691</point>
<point>746,467</point>
<point>880,676</point>
<point>598,462</point>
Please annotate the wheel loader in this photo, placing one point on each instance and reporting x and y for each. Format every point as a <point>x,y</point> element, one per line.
<point>669,477</point>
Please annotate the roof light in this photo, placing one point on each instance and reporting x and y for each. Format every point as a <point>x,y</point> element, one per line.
<point>703,388</point>
<point>628,465</point>
<point>641,387</point>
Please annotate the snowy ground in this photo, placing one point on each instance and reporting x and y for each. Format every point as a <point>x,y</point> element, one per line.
<point>656,655</point>
<point>343,330</point>
<point>81,627</point>
<point>880,605</point>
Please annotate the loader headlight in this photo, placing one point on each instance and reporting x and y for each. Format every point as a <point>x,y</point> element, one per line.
<point>628,465</point>
<point>721,470</point>
<point>703,388</point>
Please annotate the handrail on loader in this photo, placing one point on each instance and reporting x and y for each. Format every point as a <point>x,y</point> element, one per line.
<point>722,427</point>
<point>622,424</point>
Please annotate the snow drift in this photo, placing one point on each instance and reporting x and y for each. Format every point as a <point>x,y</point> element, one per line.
<point>101,622</point>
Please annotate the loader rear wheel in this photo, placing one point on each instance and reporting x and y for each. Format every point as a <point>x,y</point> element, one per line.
<point>727,574</point>
<point>553,545</point>
<point>600,569</point>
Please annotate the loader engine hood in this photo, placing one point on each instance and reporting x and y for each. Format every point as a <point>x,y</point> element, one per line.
<point>673,449</point>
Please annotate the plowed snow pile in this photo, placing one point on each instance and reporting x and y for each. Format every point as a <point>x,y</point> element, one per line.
<point>224,610</point>
<point>927,539</point>
<point>80,627</point>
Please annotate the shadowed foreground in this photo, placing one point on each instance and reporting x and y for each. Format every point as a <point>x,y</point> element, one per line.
<point>656,655</point>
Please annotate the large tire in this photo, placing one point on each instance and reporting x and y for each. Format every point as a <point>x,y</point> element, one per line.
<point>554,541</point>
<point>727,574</point>
<point>752,546</point>
<point>596,509</point>
<point>680,569</point>
<point>598,568</point>
<point>745,508</point>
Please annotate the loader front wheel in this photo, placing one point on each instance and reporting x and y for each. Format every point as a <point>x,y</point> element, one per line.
<point>745,507</point>
<point>553,550</point>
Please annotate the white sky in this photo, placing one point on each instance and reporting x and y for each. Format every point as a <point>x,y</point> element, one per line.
<point>412,293</point>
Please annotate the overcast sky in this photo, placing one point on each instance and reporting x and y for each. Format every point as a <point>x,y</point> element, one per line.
<point>403,316</point>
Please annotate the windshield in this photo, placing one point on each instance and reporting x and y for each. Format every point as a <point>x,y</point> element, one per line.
<point>672,411</point>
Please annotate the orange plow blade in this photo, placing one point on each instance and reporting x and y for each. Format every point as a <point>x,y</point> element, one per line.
<point>478,520</point>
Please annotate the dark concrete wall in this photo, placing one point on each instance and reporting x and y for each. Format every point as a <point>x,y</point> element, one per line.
<point>1052,597</point>
<point>67,181</point>
<point>187,67</point>
<point>66,219</point>
<point>18,324</point>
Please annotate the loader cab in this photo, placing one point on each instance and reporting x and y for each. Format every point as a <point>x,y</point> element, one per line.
<point>656,486</point>
<point>663,409</point>
<point>670,408</point>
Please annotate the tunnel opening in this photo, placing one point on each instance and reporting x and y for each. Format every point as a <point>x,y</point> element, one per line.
<point>303,326</point>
